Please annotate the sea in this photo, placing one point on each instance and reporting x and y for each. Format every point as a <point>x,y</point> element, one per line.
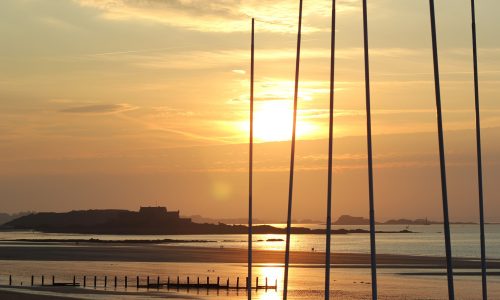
<point>306,281</point>
<point>426,240</point>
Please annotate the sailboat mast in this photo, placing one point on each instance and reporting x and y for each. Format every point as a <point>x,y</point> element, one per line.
<point>479,155</point>
<point>446,222</point>
<point>330,158</point>
<point>370,158</point>
<point>250,173</point>
<point>292,158</point>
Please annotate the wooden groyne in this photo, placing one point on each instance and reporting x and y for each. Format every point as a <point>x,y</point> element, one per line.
<point>149,282</point>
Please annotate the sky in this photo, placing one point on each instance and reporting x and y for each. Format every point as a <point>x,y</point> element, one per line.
<point>123,103</point>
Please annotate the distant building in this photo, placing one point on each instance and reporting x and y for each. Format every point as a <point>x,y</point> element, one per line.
<point>153,210</point>
<point>161,212</point>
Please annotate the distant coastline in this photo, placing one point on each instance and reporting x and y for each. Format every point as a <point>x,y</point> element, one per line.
<point>146,221</point>
<point>350,220</point>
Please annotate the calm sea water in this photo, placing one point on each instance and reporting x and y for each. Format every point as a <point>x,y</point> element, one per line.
<point>426,240</point>
<point>306,282</point>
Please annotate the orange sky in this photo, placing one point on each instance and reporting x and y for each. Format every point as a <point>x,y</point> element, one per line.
<point>117,104</point>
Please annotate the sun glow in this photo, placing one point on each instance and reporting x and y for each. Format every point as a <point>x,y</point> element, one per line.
<point>273,121</point>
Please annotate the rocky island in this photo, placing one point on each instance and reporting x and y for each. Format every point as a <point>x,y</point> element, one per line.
<point>146,221</point>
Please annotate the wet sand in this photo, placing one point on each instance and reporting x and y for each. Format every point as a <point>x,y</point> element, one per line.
<point>15,294</point>
<point>350,277</point>
<point>57,293</point>
<point>162,253</point>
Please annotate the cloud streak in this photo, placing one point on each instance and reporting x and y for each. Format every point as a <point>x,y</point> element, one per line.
<point>218,15</point>
<point>99,109</point>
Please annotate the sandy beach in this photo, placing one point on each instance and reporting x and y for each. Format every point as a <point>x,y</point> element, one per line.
<point>350,272</point>
<point>52,293</point>
<point>162,253</point>
<point>17,294</point>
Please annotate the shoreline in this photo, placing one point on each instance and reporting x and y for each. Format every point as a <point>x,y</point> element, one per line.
<point>165,253</point>
<point>231,230</point>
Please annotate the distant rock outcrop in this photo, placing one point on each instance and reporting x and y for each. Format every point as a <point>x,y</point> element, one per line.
<point>4,218</point>
<point>410,222</point>
<point>146,221</point>
<point>350,220</point>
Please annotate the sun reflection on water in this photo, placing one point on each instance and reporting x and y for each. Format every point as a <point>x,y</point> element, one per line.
<point>268,296</point>
<point>274,275</point>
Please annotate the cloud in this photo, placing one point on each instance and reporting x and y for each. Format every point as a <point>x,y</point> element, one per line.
<point>99,109</point>
<point>220,15</point>
<point>58,23</point>
<point>59,101</point>
<point>239,72</point>
<point>167,111</point>
<point>178,58</point>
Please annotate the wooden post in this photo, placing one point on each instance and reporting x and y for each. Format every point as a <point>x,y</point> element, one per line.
<point>95,281</point>
<point>178,281</point>
<point>168,281</point>
<point>237,283</point>
<point>208,281</point>
<point>10,279</point>
<point>218,282</point>
<point>158,282</point>
<point>188,281</point>
<point>126,282</point>
<point>105,281</point>
<point>32,279</point>
<point>276,285</point>
<point>116,281</point>
<point>198,283</point>
<point>84,281</point>
<point>248,283</point>
<point>147,282</point>
<point>53,279</point>
<point>227,284</point>
<point>266,284</point>
<point>137,284</point>
<point>43,280</point>
<point>257,283</point>
<point>74,280</point>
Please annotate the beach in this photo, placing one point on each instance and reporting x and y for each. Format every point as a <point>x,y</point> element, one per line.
<point>160,253</point>
<point>350,272</point>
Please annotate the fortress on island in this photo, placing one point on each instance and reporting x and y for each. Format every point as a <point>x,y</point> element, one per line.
<point>156,220</point>
<point>148,220</point>
<point>162,213</point>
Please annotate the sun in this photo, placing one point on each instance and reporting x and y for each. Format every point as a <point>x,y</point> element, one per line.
<point>273,121</point>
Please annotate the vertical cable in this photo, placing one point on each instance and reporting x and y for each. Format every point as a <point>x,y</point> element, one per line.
<point>479,156</point>
<point>446,221</point>
<point>373,252</point>
<point>330,158</point>
<point>292,158</point>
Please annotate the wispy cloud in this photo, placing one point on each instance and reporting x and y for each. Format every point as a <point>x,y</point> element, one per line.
<point>180,58</point>
<point>99,109</point>
<point>218,15</point>
<point>58,24</point>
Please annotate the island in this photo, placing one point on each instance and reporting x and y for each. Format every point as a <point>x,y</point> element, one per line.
<point>146,221</point>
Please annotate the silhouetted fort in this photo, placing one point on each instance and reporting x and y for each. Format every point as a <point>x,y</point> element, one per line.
<point>160,212</point>
<point>148,220</point>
